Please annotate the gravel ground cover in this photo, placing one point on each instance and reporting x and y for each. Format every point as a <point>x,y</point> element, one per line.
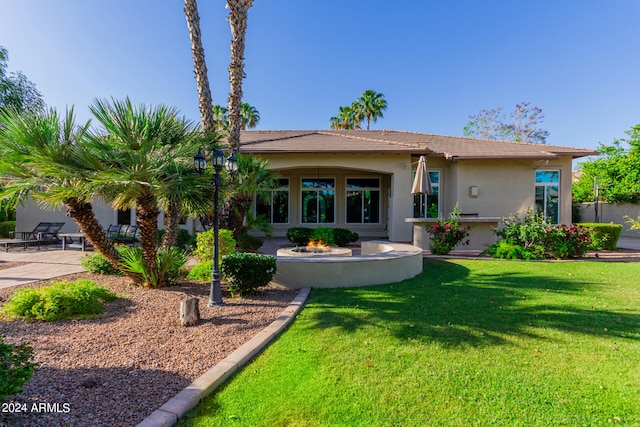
<point>117,369</point>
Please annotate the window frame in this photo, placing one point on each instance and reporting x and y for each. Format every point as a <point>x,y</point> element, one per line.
<point>422,197</point>
<point>317,190</point>
<point>545,185</point>
<point>272,192</point>
<point>346,195</point>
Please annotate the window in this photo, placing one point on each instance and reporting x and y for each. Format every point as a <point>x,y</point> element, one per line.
<point>548,195</point>
<point>363,200</point>
<point>428,205</point>
<point>318,201</point>
<point>124,217</point>
<point>276,207</point>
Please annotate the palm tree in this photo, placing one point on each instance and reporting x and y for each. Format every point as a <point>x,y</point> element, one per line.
<point>46,157</point>
<point>249,115</point>
<point>200,65</point>
<point>254,180</point>
<point>346,118</point>
<point>220,118</point>
<point>372,105</point>
<point>145,161</point>
<point>238,11</point>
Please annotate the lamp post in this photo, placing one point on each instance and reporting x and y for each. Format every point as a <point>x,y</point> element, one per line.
<point>218,161</point>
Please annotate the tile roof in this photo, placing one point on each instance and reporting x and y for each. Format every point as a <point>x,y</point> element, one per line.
<point>390,141</point>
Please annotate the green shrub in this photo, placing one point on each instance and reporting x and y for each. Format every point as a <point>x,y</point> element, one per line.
<point>204,244</point>
<point>524,232</point>
<point>6,227</point>
<point>249,243</point>
<point>97,263</point>
<point>247,272</point>
<point>566,241</point>
<point>184,238</point>
<point>343,237</point>
<point>299,236</point>
<point>201,271</point>
<point>324,235</point>
<point>329,236</point>
<point>16,367</point>
<point>60,300</point>
<point>507,250</point>
<point>169,264</point>
<point>604,236</point>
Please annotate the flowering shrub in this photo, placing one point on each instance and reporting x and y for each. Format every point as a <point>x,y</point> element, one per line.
<point>567,241</point>
<point>446,234</point>
<point>537,239</point>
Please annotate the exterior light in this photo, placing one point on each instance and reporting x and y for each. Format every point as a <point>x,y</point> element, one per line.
<point>232,164</point>
<point>218,162</point>
<point>200,162</point>
<point>217,158</point>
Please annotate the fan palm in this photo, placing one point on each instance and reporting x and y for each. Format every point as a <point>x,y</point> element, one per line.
<point>44,156</point>
<point>254,180</point>
<point>145,161</point>
<point>372,105</point>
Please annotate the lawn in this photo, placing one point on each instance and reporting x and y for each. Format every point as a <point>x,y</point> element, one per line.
<point>466,343</point>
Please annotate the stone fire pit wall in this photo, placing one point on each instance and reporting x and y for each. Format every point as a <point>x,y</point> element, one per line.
<point>380,262</point>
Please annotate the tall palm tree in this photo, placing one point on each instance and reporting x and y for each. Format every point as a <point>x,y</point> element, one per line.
<point>238,12</point>
<point>145,163</point>
<point>46,157</point>
<point>372,105</point>
<point>200,65</point>
<point>254,180</point>
<point>220,118</point>
<point>346,119</point>
<point>249,115</point>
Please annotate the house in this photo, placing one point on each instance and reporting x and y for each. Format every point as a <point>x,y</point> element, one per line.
<point>361,180</point>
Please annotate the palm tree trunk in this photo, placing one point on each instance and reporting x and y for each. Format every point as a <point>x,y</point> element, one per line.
<point>200,66</point>
<point>238,11</point>
<point>82,214</point>
<point>171,219</point>
<point>147,218</point>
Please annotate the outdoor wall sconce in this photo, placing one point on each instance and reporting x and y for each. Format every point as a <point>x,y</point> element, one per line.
<point>473,192</point>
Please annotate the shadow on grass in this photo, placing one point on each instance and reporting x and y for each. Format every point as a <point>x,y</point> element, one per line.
<point>450,305</point>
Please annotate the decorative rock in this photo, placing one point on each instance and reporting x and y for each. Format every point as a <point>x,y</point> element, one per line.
<point>189,312</point>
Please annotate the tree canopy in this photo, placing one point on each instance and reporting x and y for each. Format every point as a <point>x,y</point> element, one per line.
<point>521,125</point>
<point>616,172</point>
<point>369,106</point>
<point>16,91</point>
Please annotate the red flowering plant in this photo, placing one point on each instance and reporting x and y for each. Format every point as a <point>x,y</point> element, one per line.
<point>447,233</point>
<point>567,241</point>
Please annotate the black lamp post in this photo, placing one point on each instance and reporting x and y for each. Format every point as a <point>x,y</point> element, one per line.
<point>218,161</point>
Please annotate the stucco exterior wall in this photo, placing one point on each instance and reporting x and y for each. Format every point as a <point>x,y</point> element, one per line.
<point>504,186</point>
<point>396,199</point>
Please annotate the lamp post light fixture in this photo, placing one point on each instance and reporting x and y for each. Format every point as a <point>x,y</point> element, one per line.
<point>218,161</point>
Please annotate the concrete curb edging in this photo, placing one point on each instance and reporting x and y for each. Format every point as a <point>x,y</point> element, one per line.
<point>169,413</point>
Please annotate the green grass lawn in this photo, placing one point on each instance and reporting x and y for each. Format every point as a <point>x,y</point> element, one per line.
<point>466,343</point>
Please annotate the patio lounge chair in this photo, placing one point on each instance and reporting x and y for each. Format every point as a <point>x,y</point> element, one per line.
<point>122,233</point>
<point>43,233</point>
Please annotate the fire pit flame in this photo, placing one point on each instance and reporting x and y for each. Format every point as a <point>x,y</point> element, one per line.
<point>314,246</point>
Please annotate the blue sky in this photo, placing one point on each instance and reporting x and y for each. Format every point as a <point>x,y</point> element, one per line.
<point>436,62</point>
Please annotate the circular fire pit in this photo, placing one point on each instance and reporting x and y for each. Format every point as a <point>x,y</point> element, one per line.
<point>378,262</point>
<point>314,251</point>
